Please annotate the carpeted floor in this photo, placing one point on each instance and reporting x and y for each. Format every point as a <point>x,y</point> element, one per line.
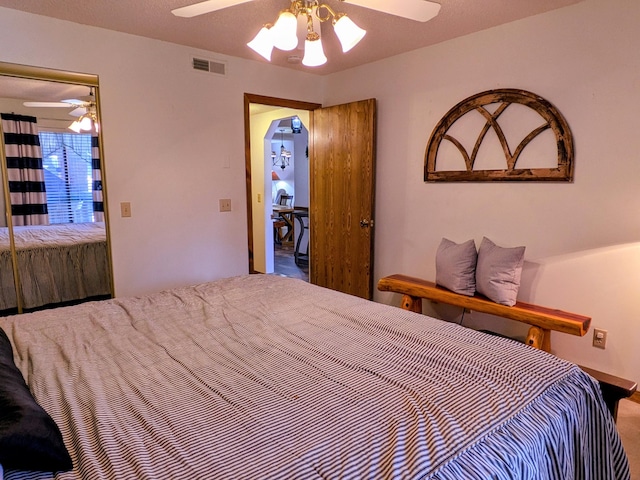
<point>629,428</point>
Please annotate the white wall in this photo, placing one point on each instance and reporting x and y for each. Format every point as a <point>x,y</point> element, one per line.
<point>287,175</point>
<point>582,238</point>
<point>173,144</point>
<point>302,167</point>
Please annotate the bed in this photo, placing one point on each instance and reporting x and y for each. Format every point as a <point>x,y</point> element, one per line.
<point>261,376</point>
<point>57,263</point>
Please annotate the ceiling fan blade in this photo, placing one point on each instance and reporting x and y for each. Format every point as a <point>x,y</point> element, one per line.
<point>80,100</point>
<point>48,104</point>
<point>418,10</point>
<point>205,7</point>
<point>78,112</point>
<point>75,101</point>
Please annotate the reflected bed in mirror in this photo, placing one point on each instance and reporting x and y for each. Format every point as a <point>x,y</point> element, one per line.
<point>54,234</point>
<point>58,264</point>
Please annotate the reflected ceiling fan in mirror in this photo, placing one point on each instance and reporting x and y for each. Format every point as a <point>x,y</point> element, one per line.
<point>303,18</point>
<point>83,107</point>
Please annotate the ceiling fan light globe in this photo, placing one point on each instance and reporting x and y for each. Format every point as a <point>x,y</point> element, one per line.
<point>284,31</point>
<point>75,126</point>
<point>313,52</point>
<point>262,43</point>
<point>348,32</point>
<point>86,124</point>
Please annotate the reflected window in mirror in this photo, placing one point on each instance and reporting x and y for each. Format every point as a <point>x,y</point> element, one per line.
<point>69,181</point>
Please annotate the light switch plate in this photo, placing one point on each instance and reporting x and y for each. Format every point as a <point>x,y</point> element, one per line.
<point>125,209</point>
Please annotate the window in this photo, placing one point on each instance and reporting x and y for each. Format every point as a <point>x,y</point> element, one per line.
<point>66,159</point>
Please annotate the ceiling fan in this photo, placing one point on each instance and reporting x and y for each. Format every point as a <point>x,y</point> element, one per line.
<point>84,108</point>
<point>418,10</point>
<point>301,22</point>
<point>81,105</point>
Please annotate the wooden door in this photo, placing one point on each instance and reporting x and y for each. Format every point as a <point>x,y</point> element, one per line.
<point>342,186</point>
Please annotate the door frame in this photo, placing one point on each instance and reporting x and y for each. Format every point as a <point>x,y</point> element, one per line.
<point>250,98</point>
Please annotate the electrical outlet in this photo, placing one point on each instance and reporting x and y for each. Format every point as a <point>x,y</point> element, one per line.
<point>599,338</point>
<point>225,204</point>
<point>125,209</point>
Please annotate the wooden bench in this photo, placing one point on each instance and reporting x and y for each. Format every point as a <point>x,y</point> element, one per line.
<point>542,321</point>
<point>613,388</point>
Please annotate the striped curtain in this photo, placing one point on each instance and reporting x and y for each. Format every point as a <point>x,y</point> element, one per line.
<point>24,169</point>
<point>98,202</point>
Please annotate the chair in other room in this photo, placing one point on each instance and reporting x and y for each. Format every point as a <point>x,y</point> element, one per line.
<point>278,224</point>
<point>286,200</point>
<point>300,255</point>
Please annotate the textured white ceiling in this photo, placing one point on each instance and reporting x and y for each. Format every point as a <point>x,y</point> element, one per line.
<point>39,90</point>
<point>227,31</point>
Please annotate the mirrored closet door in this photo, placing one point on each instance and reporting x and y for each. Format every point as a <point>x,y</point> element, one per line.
<point>54,236</point>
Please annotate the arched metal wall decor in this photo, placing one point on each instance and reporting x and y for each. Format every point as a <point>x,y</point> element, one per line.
<point>500,100</point>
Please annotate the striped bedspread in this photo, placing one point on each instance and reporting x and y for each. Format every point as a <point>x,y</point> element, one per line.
<point>265,377</point>
<point>53,236</point>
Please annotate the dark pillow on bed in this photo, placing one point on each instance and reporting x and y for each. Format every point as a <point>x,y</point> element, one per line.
<point>456,266</point>
<point>29,438</point>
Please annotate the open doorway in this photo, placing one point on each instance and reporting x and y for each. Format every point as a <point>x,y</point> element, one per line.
<point>342,150</point>
<point>277,197</point>
<point>288,162</point>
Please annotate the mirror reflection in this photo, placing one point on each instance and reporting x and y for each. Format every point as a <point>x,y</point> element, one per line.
<point>52,182</point>
<point>8,299</point>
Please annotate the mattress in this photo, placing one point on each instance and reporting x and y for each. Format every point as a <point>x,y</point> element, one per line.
<point>261,376</point>
<point>56,263</point>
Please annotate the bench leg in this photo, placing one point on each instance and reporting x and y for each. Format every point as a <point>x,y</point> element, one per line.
<point>413,304</point>
<point>539,338</point>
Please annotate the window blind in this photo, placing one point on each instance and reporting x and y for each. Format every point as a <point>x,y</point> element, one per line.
<point>66,159</point>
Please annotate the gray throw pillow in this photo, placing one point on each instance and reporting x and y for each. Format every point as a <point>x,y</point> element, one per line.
<point>498,272</point>
<point>456,266</point>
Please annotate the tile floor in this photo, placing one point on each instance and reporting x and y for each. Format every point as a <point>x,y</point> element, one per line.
<point>285,265</point>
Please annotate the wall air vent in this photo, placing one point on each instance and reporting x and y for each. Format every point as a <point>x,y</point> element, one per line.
<point>211,66</point>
